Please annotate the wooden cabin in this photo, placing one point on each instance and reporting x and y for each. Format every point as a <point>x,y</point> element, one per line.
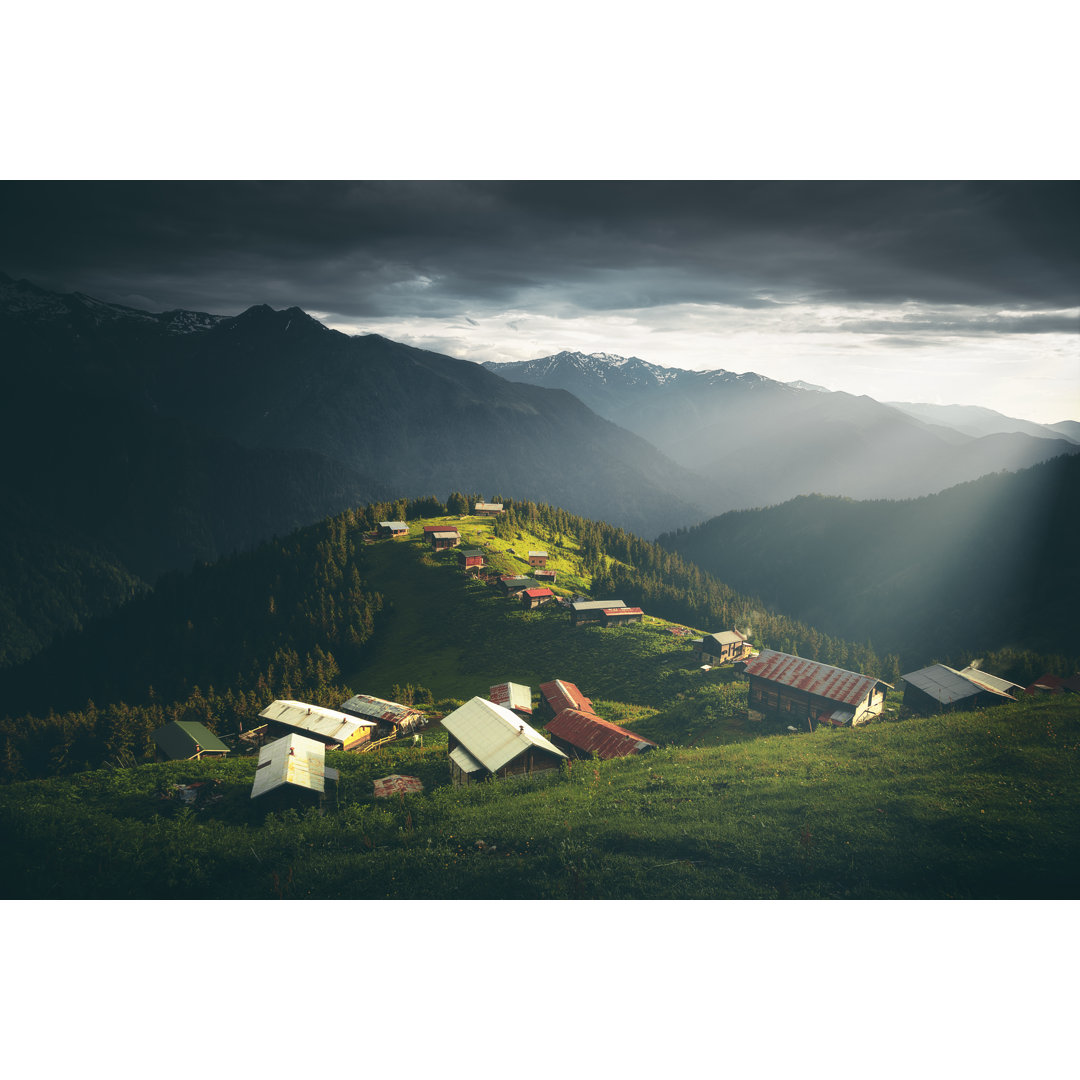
<point>790,687</point>
<point>186,740</point>
<point>471,559</point>
<point>292,766</point>
<point>514,586</point>
<point>443,539</point>
<point>513,696</point>
<point>557,695</point>
<point>538,558</point>
<point>486,740</point>
<point>546,576</point>
<point>621,616</point>
<point>483,509</point>
<point>585,612</point>
<point>939,688</point>
<point>533,598</point>
<point>390,717</point>
<point>580,735</point>
<point>397,530</point>
<point>722,647</point>
<point>335,729</point>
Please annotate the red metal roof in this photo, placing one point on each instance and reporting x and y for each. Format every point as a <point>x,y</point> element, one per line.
<point>592,735</point>
<point>391,785</point>
<point>562,695</point>
<point>825,681</point>
<point>537,593</point>
<point>623,611</point>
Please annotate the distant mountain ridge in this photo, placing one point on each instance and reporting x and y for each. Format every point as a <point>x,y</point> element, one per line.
<point>759,442</point>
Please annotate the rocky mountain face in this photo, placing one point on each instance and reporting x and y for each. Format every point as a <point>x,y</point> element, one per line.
<point>758,442</point>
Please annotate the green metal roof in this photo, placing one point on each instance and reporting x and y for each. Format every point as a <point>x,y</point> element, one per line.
<point>177,740</point>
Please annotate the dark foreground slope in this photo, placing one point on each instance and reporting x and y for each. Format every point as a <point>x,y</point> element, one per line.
<point>985,564</point>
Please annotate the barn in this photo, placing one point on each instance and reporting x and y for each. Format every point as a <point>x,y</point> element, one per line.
<point>486,740</point>
<point>186,740</point>
<point>396,529</point>
<point>790,687</point>
<point>722,647</point>
<point>580,735</point>
<point>533,598</point>
<point>939,688</point>
<point>584,612</point>
<point>513,696</point>
<point>335,729</point>
<point>391,718</point>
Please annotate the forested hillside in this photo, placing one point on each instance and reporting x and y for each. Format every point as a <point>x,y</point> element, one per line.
<point>984,565</point>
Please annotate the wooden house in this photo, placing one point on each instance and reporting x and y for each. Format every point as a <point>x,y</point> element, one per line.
<point>335,729</point>
<point>471,559</point>
<point>546,576</point>
<point>513,696</point>
<point>722,647</point>
<point>580,735</point>
<point>538,558</point>
<point>483,509</point>
<point>557,695</point>
<point>186,740</point>
<point>514,586</point>
<point>443,539</point>
<point>789,687</point>
<point>293,764</point>
<point>398,530</point>
<point>391,718</point>
<point>939,688</point>
<point>585,612</point>
<point>621,616</point>
<point>486,740</point>
<point>533,598</point>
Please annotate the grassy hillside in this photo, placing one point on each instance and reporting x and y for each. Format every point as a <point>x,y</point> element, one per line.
<point>976,805</point>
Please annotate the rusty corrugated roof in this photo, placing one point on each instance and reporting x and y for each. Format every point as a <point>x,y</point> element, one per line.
<point>824,680</point>
<point>377,709</point>
<point>537,593</point>
<point>392,785</point>
<point>591,735</point>
<point>565,695</point>
<point>623,611</point>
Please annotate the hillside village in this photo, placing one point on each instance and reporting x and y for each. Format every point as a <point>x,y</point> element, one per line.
<point>492,736</point>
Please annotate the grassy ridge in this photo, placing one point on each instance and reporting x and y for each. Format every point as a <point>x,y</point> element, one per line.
<point>975,805</point>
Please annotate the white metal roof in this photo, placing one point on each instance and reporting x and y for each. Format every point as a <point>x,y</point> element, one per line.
<point>991,682</point>
<point>493,734</point>
<point>946,684</point>
<point>596,605</point>
<point>397,526</point>
<point>293,760</point>
<point>488,506</point>
<point>541,554</point>
<point>330,723</point>
<point>464,760</point>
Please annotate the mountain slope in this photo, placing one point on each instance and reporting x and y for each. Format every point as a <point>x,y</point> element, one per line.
<point>759,442</point>
<point>984,564</point>
<point>976,421</point>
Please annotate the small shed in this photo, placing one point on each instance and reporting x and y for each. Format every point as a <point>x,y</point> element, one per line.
<point>581,735</point>
<point>547,576</point>
<point>486,740</point>
<point>584,612</point>
<point>622,616</point>
<point>471,559</point>
<point>396,529</point>
<point>533,598</point>
<point>538,558</point>
<point>186,740</point>
<point>484,509</point>
<point>721,647</point>
<point>514,586</point>
<point>391,717</point>
<point>940,688</point>
<point>333,728</point>
<point>294,762</point>
<point>558,695</point>
<point>513,696</point>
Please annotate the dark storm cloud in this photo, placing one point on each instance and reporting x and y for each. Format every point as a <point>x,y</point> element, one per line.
<point>365,250</point>
<point>966,325</point>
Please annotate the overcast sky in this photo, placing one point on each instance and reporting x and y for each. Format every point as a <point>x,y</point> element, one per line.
<point>939,292</point>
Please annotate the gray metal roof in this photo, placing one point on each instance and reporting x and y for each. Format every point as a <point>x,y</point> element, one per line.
<point>494,735</point>
<point>596,605</point>
<point>541,554</point>
<point>464,760</point>
<point>947,685</point>
<point>365,705</point>
<point>991,682</point>
<point>329,723</point>
<point>728,637</point>
<point>294,760</point>
<point>488,506</point>
<point>183,739</point>
<point>397,526</point>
